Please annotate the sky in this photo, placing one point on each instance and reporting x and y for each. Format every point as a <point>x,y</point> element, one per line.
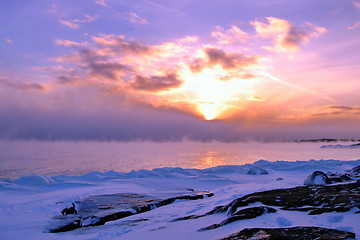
<point>167,70</point>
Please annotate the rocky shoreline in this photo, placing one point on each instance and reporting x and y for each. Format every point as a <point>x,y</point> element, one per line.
<point>321,193</point>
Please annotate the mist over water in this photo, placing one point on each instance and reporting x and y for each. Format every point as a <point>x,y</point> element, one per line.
<point>20,158</point>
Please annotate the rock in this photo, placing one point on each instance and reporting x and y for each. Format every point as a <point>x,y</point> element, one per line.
<point>247,213</point>
<point>356,171</point>
<point>346,177</point>
<point>311,199</point>
<point>256,170</point>
<point>294,233</point>
<point>68,227</point>
<point>187,218</point>
<point>335,179</point>
<point>317,178</point>
<point>279,179</point>
<point>94,211</point>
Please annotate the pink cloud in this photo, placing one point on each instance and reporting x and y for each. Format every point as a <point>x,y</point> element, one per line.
<point>286,37</point>
<point>231,36</point>
<point>101,2</point>
<point>189,39</point>
<point>8,40</point>
<point>357,4</point>
<point>68,43</point>
<point>69,24</point>
<point>355,26</point>
<point>56,69</point>
<point>134,18</point>
<point>87,18</point>
<point>75,23</point>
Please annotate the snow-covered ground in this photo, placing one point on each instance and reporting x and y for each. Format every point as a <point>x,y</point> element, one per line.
<point>29,204</point>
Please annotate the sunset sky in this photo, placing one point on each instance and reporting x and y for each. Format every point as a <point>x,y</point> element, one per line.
<point>167,70</point>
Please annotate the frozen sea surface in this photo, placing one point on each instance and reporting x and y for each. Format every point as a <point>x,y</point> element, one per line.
<point>21,158</point>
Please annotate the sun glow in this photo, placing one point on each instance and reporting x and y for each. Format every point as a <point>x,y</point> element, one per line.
<point>211,95</point>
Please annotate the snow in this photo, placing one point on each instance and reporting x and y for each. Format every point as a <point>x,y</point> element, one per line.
<point>29,204</point>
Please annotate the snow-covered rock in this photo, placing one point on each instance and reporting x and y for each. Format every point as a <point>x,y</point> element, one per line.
<point>317,178</point>
<point>255,170</point>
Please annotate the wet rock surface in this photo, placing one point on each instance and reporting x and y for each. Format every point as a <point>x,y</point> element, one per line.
<point>97,210</point>
<point>293,233</point>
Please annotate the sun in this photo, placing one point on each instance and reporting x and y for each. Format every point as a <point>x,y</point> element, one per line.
<point>211,95</point>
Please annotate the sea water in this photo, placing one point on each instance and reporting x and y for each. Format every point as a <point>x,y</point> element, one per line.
<point>21,158</point>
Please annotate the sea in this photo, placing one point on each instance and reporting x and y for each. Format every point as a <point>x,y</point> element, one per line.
<point>52,158</point>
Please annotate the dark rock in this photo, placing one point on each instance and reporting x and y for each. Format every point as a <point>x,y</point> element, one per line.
<point>93,208</point>
<point>336,179</point>
<point>256,170</point>
<point>247,213</point>
<point>317,178</point>
<point>188,217</point>
<point>294,233</point>
<point>312,199</point>
<point>356,170</point>
<point>279,179</point>
<point>346,177</point>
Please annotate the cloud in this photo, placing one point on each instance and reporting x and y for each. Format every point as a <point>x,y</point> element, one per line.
<point>56,69</point>
<point>336,111</point>
<point>69,24</point>
<point>356,4</point>
<point>346,108</point>
<point>25,86</point>
<point>101,66</point>
<point>68,43</point>
<point>231,36</point>
<point>8,40</point>
<point>75,23</point>
<point>355,26</point>
<point>189,39</point>
<point>118,44</point>
<point>101,2</point>
<point>286,37</point>
<point>87,18</point>
<point>70,81</point>
<point>228,60</point>
<point>156,83</point>
<point>216,56</point>
<point>134,18</point>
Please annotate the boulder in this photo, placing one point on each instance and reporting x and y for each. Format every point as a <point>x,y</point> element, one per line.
<point>256,170</point>
<point>317,178</point>
<point>293,233</point>
<point>356,171</point>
